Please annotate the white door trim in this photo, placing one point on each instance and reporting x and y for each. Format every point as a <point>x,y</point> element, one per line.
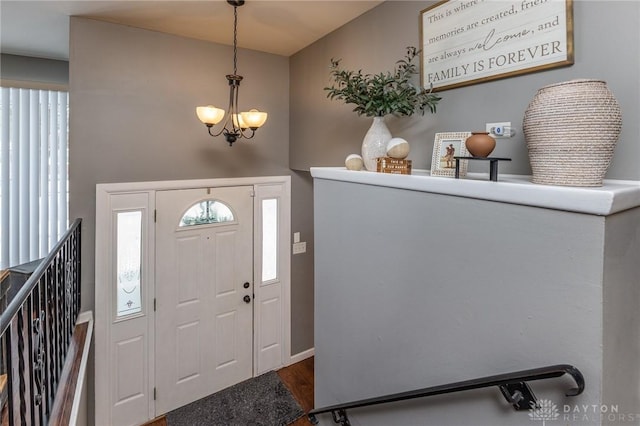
<point>271,352</point>
<point>265,187</point>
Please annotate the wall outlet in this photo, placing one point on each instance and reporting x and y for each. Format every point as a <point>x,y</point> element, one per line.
<point>499,130</point>
<point>300,247</point>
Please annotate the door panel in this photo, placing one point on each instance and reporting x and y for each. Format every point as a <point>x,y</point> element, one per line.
<point>187,360</point>
<point>129,363</point>
<point>204,327</point>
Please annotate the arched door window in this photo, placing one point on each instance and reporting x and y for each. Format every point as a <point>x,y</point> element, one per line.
<point>207,212</point>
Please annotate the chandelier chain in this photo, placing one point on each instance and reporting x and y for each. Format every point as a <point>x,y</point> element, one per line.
<point>235,40</point>
<point>235,124</point>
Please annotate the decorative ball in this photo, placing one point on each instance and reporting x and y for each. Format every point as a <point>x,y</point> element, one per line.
<point>398,148</point>
<point>354,162</point>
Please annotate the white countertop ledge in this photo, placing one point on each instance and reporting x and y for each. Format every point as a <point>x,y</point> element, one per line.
<point>614,196</point>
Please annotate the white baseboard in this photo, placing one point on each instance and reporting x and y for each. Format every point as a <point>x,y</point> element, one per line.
<point>301,356</point>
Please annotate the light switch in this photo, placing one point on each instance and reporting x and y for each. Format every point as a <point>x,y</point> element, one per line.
<point>296,237</point>
<point>299,247</point>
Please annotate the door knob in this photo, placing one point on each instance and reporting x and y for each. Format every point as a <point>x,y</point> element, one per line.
<point>247,299</point>
<point>246,285</point>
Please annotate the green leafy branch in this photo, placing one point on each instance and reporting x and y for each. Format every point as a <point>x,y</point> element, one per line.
<point>376,95</point>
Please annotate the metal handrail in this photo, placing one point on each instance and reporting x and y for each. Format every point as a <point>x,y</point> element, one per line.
<point>36,330</point>
<point>24,292</point>
<point>513,386</point>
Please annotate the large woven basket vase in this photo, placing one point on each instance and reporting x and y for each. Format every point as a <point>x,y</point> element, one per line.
<point>571,129</point>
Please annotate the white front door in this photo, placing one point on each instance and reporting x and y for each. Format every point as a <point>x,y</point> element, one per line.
<point>204,292</point>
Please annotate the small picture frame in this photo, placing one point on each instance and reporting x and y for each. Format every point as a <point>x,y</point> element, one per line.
<point>446,146</point>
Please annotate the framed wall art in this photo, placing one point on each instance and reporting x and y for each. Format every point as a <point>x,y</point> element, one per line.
<point>445,147</point>
<point>473,41</point>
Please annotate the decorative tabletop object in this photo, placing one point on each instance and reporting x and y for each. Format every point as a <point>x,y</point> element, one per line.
<point>446,147</point>
<point>398,148</point>
<point>378,95</point>
<point>571,129</point>
<point>394,166</point>
<point>493,165</point>
<point>353,162</point>
<point>480,144</point>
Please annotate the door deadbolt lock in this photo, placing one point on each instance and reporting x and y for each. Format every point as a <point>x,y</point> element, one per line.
<point>247,299</point>
<point>246,285</point>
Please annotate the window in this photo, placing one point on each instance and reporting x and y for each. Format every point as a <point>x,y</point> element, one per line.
<point>269,239</point>
<point>33,173</point>
<point>206,212</point>
<point>129,262</point>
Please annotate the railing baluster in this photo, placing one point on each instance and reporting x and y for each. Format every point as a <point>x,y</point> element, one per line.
<point>59,317</point>
<point>8,356</point>
<point>15,371</point>
<point>25,393</point>
<point>54,319</point>
<point>50,342</point>
<point>42,352</point>
<point>78,279</point>
<point>64,266</point>
<point>29,373</point>
<point>37,353</point>
<point>77,244</point>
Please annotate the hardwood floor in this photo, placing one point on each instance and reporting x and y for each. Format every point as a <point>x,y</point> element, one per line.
<point>298,378</point>
<point>160,421</point>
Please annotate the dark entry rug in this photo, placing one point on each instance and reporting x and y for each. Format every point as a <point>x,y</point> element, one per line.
<point>261,401</point>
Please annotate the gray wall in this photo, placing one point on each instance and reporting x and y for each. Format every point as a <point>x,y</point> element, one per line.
<point>324,132</point>
<point>133,95</point>
<point>132,103</point>
<point>28,70</point>
<point>302,264</point>
<point>417,300</point>
<point>621,303</point>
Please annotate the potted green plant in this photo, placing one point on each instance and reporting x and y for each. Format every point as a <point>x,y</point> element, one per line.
<point>378,95</point>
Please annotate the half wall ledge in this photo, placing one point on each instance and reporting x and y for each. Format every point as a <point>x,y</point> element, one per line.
<point>613,197</point>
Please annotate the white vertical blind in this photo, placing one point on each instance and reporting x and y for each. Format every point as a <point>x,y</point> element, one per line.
<point>44,168</point>
<point>4,180</point>
<point>33,173</point>
<point>23,176</point>
<point>53,177</point>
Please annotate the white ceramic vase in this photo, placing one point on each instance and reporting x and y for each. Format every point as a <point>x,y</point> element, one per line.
<point>375,142</point>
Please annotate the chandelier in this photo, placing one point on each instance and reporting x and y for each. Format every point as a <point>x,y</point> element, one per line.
<point>236,125</point>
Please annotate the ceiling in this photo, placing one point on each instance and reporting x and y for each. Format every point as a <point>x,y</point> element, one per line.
<point>41,28</point>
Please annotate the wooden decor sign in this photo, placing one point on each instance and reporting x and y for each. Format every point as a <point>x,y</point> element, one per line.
<point>472,41</point>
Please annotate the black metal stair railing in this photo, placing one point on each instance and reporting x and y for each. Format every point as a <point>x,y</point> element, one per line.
<point>513,386</point>
<point>36,329</point>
